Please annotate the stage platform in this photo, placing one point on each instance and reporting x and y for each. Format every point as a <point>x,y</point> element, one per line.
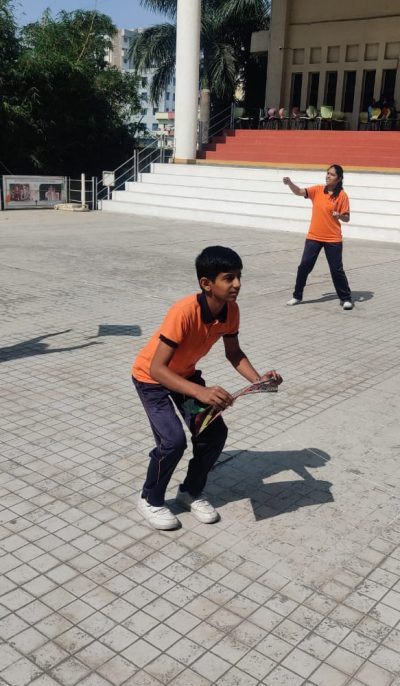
<point>369,151</point>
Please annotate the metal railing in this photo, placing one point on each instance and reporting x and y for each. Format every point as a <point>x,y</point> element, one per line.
<point>218,123</point>
<point>82,191</point>
<point>130,170</point>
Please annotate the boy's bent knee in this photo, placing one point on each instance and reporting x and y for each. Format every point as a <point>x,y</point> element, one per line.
<point>175,444</point>
<point>216,434</point>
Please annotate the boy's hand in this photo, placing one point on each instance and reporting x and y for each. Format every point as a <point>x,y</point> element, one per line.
<point>214,395</point>
<point>286,180</point>
<point>272,376</point>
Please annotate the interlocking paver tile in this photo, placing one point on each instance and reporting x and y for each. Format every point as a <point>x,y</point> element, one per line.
<point>371,675</point>
<point>302,574</point>
<point>20,673</point>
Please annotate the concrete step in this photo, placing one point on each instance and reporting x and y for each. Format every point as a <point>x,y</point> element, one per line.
<point>299,176</point>
<point>279,197</point>
<point>272,187</point>
<point>238,207</point>
<point>256,197</point>
<point>260,222</point>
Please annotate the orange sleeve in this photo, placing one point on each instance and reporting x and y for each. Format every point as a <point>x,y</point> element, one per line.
<point>175,326</point>
<point>311,191</point>
<point>343,203</point>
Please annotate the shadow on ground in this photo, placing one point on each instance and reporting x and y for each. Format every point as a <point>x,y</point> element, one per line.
<point>119,330</point>
<point>269,480</point>
<point>358,297</point>
<point>36,346</point>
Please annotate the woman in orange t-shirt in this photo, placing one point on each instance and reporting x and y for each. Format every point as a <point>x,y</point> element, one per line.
<point>330,207</point>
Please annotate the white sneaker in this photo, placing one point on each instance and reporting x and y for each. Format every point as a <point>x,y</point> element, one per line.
<point>158,517</point>
<point>348,305</point>
<point>293,301</point>
<point>201,508</point>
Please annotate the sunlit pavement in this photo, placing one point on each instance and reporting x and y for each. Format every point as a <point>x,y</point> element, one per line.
<point>299,583</point>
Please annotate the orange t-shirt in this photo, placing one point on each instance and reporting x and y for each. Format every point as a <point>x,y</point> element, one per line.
<point>324,227</point>
<point>191,329</point>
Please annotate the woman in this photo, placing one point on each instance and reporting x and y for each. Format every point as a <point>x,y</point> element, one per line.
<point>330,207</point>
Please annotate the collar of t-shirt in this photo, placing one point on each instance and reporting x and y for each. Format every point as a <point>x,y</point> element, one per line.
<point>206,315</point>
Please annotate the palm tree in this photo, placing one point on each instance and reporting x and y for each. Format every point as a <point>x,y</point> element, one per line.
<point>226,62</point>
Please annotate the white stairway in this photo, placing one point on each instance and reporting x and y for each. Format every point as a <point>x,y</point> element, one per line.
<point>257,198</point>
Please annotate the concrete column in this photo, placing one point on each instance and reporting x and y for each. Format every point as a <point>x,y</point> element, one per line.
<point>277,53</point>
<point>187,79</point>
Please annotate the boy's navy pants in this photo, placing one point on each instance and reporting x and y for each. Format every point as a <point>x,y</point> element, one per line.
<point>333,253</point>
<point>171,441</point>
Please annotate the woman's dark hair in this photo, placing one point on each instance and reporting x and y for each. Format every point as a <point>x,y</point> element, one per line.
<point>339,186</point>
<point>216,259</point>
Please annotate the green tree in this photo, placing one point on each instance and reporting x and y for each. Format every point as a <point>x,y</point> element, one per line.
<point>226,63</point>
<point>76,106</point>
<point>11,109</point>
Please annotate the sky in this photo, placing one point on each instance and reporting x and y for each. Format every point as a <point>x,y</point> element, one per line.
<point>127,14</point>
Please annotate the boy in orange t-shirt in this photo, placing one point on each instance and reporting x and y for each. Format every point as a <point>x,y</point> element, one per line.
<point>330,207</point>
<point>165,371</point>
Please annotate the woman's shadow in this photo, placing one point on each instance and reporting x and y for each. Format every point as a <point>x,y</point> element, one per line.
<point>269,480</point>
<point>357,297</point>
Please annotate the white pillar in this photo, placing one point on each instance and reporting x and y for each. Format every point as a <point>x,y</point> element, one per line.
<point>187,78</point>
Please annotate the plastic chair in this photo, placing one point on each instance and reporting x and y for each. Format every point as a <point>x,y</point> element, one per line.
<point>262,118</point>
<point>338,119</point>
<point>363,120</point>
<point>325,116</point>
<point>374,121</point>
<point>241,118</point>
<point>309,118</point>
<point>297,118</point>
<point>283,118</point>
<point>272,120</point>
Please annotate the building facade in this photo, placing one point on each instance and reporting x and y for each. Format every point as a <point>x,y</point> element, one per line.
<point>343,54</point>
<point>119,57</point>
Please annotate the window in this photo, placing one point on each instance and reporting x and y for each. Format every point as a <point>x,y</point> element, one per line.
<point>348,90</point>
<point>352,53</point>
<point>368,88</point>
<point>313,85</point>
<point>143,95</point>
<point>388,84</point>
<point>155,110</point>
<point>167,95</point>
<point>333,53</point>
<point>144,81</point>
<point>315,55</point>
<point>154,126</point>
<point>297,82</point>
<point>298,56</point>
<point>371,51</point>
<point>330,88</point>
<point>173,97</point>
<point>144,111</point>
<point>392,51</point>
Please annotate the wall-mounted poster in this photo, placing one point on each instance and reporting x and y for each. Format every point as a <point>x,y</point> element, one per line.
<point>33,191</point>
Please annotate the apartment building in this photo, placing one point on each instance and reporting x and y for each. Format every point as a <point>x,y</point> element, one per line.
<point>119,57</point>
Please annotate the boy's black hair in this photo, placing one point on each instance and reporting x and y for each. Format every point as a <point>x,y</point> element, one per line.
<point>216,259</point>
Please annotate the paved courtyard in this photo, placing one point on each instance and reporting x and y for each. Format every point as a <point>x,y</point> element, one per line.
<point>299,583</point>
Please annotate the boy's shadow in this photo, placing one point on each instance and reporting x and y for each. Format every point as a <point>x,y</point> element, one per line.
<point>35,346</point>
<point>357,296</point>
<point>267,479</point>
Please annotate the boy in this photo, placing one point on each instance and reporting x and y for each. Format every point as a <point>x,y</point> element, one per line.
<point>164,370</point>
